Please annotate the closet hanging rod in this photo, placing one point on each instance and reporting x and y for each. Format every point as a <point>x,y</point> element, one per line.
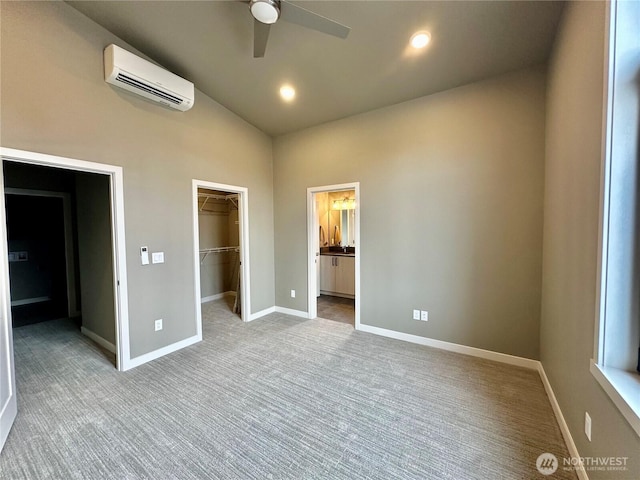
<point>213,212</point>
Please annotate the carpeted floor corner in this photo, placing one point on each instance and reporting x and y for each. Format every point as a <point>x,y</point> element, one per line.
<point>277,398</point>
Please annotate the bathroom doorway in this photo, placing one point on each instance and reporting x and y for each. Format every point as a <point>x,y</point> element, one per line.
<point>333,223</point>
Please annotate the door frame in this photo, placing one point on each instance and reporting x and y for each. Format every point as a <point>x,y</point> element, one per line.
<point>116,188</point>
<point>69,244</point>
<point>243,225</point>
<point>313,246</point>
<point>9,400</point>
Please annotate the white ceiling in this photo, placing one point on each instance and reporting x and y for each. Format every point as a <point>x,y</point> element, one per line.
<point>211,44</point>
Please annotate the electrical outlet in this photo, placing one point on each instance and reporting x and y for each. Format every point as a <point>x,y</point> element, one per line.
<point>293,294</point>
<point>424,316</point>
<point>158,325</point>
<point>416,314</point>
<point>587,425</point>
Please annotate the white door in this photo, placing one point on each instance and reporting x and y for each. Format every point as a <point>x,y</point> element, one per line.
<point>316,241</point>
<point>8,404</point>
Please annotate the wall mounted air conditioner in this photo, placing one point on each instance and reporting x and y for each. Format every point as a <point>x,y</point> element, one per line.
<point>126,70</point>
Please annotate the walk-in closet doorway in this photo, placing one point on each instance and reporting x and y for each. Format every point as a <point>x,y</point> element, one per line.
<point>221,247</point>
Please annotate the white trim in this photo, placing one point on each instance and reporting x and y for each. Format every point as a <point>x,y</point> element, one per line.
<point>497,357</point>
<point>217,296</point>
<point>98,339</point>
<point>291,311</point>
<point>120,264</point>
<point>243,225</point>
<point>161,352</point>
<point>313,255</point>
<point>121,298</point>
<point>69,246</point>
<point>8,399</point>
<point>605,182</point>
<point>452,347</point>
<point>312,233</point>
<point>262,313</point>
<point>29,301</point>
<point>564,428</point>
<point>336,294</point>
<point>622,387</point>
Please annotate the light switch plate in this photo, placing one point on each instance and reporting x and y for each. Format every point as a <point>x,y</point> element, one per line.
<point>157,257</point>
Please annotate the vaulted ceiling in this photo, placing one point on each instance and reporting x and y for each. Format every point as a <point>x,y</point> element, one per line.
<point>211,44</point>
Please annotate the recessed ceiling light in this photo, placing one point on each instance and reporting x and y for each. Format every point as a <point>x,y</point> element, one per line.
<point>420,39</point>
<point>287,92</point>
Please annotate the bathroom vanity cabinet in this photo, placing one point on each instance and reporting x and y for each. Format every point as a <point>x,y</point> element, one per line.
<point>337,275</point>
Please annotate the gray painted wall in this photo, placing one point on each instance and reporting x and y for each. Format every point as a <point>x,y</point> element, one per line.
<point>451,211</point>
<point>572,192</point>
<point>55,100</point>
<point>95,259</point>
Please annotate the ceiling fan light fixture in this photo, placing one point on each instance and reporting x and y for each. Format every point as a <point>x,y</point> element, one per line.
<point>265,11</point>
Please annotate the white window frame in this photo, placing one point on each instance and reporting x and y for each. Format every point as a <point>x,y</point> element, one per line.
<point>623,387</point>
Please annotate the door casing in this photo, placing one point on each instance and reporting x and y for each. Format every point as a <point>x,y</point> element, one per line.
<point>313,247</point>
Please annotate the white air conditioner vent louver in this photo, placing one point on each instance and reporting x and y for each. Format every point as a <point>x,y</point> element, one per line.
<point>147,88</point>
<point>134,74</point>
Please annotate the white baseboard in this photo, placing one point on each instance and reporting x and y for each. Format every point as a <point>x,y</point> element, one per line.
<point>453,347</point>
<point>261,313</point>
<point>498,357</point>
<point>28,301</point>
<point>98,339</point>
<point>564,428</point>
<point>336,294</point>
<point>291,311</point>
<point>161,352</point>
<point>217,296</point>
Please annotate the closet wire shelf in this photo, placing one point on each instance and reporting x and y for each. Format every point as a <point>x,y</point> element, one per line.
<point>233,198</point>
<point>207,251</point>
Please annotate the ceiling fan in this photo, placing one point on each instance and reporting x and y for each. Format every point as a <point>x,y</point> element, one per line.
<point>267,12</point>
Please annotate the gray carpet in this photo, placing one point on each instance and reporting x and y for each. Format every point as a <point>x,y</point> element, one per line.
<point>279,398</point>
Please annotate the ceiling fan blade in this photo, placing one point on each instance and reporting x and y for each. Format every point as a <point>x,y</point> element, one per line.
<point>260,37</point>
<point>301,16</point>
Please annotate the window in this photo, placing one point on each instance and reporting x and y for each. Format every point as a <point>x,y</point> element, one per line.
<point>615,363</point>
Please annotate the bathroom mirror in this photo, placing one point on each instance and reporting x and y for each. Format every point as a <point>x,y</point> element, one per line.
<point>347,223</point>
<point>336,215</point>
